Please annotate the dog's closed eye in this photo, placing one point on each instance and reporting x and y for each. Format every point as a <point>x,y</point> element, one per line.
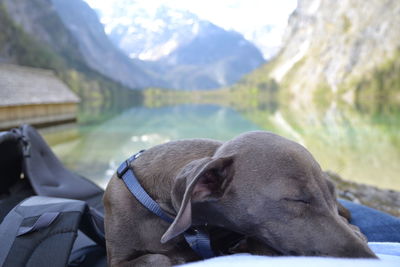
<point>298,200</point>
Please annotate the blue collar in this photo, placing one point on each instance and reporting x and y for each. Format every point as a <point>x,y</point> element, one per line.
<point>196,237</point>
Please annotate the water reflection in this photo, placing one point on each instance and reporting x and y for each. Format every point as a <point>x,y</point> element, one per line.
<point>363,147</point>
<point>360,146</point>
<point>98,148</point>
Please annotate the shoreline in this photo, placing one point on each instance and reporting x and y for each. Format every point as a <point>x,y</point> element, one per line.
<point>381,199</point>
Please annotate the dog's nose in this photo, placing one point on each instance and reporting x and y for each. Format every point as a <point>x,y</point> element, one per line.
<point>355,250</point>
<point>363,252</point>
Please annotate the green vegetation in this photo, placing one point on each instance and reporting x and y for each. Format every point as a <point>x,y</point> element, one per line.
<point>158,97</point>
<point>323,95</point>
<point>255,78</point>
<point>67,64</point>
<point>256,90</point>
<point>381,86</point>
<point>346,23</point>
<point>22,48</point>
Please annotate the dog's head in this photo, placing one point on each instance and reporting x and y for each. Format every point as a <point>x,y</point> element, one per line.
<point>270,189</point>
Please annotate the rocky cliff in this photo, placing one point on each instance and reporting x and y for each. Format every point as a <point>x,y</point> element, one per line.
<point>348,49</point>
<point>24,22</point>
<point>97,49</point>
<point>72,29</point>
<point>32,34</point>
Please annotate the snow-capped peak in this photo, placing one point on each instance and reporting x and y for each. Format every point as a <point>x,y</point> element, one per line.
<point>146,31</point>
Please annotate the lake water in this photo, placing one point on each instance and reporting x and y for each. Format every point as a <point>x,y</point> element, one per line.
<point>360,145</point>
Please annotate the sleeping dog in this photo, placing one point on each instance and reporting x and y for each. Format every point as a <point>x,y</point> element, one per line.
<point>263,188</point>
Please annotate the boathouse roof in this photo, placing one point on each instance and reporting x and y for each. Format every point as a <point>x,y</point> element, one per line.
<point>27,86</point>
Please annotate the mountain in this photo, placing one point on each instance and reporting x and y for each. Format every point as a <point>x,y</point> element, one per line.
<point>149,33</point>
<point>32,34</point>
<point>96,47</point>
<point>72,28</point>
<point>189,53</point>
<point>213,58</point>
<point>180,51</point>
<point>26,22</point>
<point>349,50</point>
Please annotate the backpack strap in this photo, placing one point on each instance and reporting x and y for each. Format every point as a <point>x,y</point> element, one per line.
<point>42,230</point>
<point>48,176</point>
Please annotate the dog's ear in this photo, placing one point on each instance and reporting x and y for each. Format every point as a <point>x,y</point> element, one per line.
<point>207,180</point>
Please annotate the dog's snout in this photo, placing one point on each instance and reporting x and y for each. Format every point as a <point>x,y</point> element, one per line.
<point>349,244</point>
<point>358,251</point>
<point>368,254</point>
<point>328,237</point>
<point>350,251</point>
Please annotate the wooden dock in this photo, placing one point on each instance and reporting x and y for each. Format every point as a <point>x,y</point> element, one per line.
<point>34,96</point>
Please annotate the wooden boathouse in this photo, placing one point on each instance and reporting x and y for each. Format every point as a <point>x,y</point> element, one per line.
<point>34,96</point>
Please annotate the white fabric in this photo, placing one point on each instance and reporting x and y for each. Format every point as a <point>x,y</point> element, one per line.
<point>389,254</point>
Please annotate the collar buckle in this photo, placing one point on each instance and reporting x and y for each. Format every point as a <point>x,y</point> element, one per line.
<point>122,169</point>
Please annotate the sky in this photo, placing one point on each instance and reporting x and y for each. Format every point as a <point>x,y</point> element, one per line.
<point>249,17</point>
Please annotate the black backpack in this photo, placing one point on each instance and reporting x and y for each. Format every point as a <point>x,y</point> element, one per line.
<point>60,219</point>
